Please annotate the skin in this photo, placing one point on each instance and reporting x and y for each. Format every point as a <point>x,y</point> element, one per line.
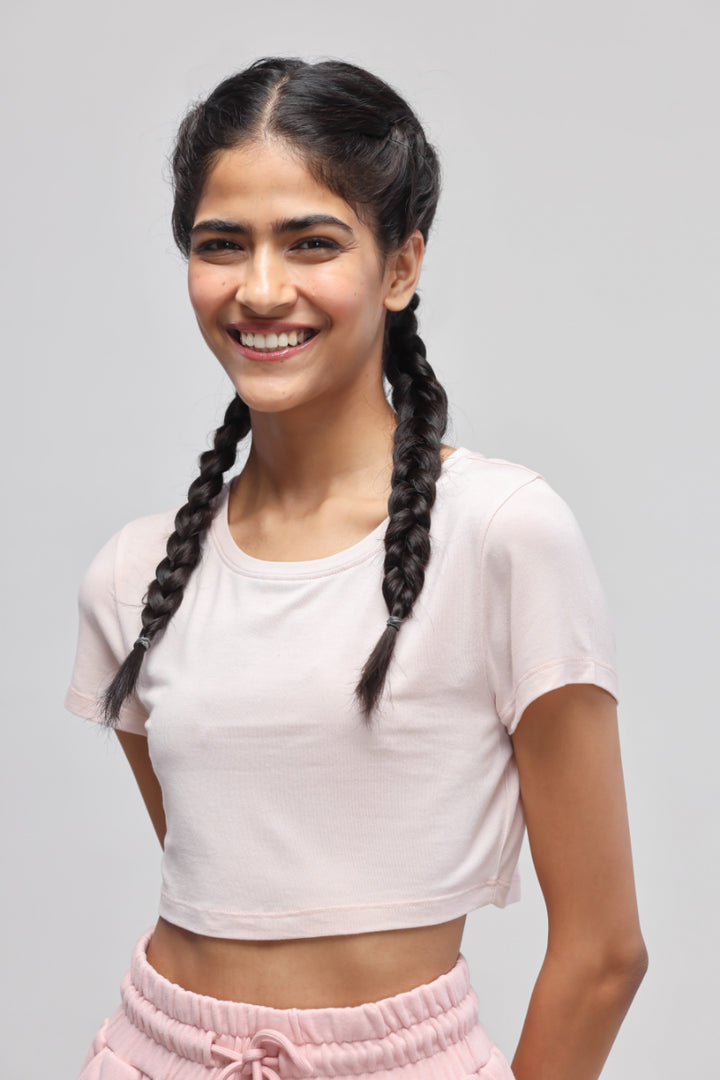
<point>568,755</point>
<point>317,480</point>
<point>321,426</point>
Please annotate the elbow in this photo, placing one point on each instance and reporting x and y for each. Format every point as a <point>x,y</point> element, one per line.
<point>634,965</point>
<point>610,970</point>
<point>621,969</point>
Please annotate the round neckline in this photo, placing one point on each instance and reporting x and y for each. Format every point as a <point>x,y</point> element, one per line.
<point>239,560</point>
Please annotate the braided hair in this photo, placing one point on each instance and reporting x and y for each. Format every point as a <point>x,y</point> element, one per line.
<point>360,139</point>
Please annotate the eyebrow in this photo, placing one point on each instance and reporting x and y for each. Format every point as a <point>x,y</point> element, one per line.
<point>289,225</point>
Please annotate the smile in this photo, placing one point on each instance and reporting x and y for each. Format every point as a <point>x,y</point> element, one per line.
<point>272,341</point>
<point>271,345</point>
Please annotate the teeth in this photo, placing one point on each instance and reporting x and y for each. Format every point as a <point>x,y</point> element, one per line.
<point>275,341</point>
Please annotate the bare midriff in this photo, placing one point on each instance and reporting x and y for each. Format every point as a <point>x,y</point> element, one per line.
<point>306,973</point>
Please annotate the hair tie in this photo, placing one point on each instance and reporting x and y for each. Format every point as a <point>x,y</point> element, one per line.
<point>144,641</point>
<point>394,621</point>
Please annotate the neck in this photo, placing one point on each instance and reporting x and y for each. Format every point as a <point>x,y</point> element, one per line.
<point>300,462</point>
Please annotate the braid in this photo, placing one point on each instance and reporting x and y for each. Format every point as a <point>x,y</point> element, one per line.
<point>360,139</point>
<point>165,592</point>
<point>421,406</point>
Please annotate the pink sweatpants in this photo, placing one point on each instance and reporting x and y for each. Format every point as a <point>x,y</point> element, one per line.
<point>163,1032</point>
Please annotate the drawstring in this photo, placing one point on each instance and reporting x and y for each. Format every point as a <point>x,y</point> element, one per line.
<point>258,1059</point>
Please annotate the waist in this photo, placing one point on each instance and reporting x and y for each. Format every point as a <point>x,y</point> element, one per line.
<point>306,973</point>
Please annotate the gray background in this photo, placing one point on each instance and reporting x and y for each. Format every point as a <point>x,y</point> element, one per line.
<point>569,306</point>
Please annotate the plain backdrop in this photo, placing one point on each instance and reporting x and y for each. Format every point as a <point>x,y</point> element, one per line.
<point>570,301</point>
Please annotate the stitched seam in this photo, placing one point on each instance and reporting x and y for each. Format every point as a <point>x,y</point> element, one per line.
<point>490,883</point>
<point>507,815</point>
<point>547,666</point>
<point>310,574</point>
<point>300,575</point>
<point>127,711</point>
<point>132,707</point>
<point>487,664</point>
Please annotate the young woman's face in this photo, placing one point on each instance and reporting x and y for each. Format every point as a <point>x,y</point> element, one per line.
<point>288,285</point>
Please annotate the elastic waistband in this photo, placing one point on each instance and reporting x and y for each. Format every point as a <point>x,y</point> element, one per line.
<point>437,1020</point>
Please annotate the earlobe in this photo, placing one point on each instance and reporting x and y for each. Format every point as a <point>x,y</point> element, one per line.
<point>405,272</point>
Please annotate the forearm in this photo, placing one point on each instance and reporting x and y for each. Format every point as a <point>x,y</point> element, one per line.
<point>575,1012</point>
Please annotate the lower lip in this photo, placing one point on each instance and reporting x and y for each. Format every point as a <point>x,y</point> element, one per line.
<point>276,354</point>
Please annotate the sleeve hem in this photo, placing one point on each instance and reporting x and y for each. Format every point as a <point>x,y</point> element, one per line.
<point>87,708</point>
<point>551,676</point>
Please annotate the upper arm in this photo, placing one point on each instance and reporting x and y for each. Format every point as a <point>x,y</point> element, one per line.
<point>136,751</point>
<point>571,782</point>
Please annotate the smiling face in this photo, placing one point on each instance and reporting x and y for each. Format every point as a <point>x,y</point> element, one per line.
<point>288,286</point>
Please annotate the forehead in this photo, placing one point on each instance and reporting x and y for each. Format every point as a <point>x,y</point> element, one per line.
<point>266,181</point>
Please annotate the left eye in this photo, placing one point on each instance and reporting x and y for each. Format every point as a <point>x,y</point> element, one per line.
<point>316,243</point>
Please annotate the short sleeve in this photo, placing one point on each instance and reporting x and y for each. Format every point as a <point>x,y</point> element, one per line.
<point>546,619</point>
<point>102,644</point>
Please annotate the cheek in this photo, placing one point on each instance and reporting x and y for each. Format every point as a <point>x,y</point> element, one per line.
<point>350,300</point>
<point>206,291</point>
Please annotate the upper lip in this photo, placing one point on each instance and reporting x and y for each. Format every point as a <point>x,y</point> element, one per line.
<point>258,326</point>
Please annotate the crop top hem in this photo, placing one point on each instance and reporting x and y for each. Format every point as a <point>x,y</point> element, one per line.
<point>355,918</point>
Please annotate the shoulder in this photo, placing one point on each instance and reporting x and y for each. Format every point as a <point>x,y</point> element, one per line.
<point>505,504</point>
<point>475,485</point>
<point>125,565</point>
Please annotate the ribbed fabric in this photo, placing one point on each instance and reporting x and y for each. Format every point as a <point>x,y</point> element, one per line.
<point>412,823</point>
<point>163,1032</point>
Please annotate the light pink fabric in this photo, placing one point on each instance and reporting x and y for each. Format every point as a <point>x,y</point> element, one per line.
<point>288,818</point>
<point>163,1032</point>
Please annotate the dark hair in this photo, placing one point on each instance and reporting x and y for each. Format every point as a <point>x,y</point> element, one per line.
<point>359,138</point>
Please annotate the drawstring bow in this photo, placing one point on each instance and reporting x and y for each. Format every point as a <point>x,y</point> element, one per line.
<point>257,1062</point>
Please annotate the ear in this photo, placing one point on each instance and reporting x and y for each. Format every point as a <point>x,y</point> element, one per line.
<point>403,268</point>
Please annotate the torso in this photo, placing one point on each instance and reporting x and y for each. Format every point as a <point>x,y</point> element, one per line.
<point>307,973</point>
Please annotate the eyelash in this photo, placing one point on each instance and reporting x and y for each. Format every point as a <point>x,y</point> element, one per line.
<point>216,245</point>
<point>319,243</point>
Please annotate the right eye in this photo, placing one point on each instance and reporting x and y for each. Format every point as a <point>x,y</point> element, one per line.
<point>216,246</point>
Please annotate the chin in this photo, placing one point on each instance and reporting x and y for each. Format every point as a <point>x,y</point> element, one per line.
<point>266,403</point>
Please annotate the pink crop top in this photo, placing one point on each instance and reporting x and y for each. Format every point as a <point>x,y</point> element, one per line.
<point>286,817</point>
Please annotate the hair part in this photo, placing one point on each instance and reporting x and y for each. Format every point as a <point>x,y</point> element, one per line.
<point>355,134</point>
<point>362,141</point>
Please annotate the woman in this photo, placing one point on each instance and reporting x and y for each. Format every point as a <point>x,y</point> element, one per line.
<point>353,658</point>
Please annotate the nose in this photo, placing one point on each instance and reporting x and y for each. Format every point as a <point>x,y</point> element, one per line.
<point>266,287</point>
